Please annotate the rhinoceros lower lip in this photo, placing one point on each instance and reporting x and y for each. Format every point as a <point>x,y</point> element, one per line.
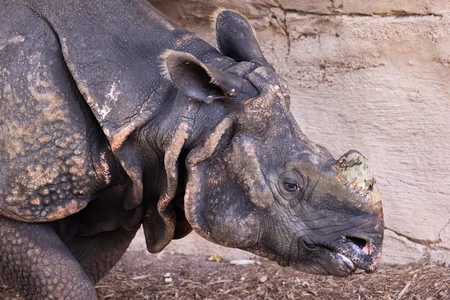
<point>352,261</point>
<point>345,264</point>
<point>344,260</point>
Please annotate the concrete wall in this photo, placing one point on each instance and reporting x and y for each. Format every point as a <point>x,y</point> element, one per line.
<point>368,75</point>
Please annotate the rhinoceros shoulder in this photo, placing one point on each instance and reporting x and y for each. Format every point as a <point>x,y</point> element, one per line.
<point>46,167</point>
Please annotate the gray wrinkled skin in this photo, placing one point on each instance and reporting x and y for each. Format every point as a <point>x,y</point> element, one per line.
<point>113,117</point>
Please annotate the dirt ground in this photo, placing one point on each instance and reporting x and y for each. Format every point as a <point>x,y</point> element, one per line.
<point>194,277</point>
<point>197,277</point>
<point>202,271</point>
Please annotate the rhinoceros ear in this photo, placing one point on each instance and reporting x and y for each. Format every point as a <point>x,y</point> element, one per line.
<point>236,37</point>
<point>203,82</point>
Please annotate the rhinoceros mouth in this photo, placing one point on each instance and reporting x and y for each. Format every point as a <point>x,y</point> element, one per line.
<point>345,261</point>
<point>362,254</point>
<point>346,257</point>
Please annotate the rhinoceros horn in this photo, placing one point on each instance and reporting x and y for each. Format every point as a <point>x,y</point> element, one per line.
<point>353,171</point>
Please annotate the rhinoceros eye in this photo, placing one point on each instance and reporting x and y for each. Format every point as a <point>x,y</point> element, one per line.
<point>290,185</point>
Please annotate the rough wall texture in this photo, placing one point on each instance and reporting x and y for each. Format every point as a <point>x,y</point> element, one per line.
<point>368,75</point>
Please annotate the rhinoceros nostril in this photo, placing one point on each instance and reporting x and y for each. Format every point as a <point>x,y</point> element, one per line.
<point>361,243</point>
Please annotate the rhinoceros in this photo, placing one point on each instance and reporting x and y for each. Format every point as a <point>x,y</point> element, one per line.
<point>114,117</point>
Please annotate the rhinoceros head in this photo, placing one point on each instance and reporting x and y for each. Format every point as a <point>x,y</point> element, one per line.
<point>256,182</point>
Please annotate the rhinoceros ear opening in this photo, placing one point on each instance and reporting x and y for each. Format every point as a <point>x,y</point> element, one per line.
<point>236,37</point>
<point>203,82</point>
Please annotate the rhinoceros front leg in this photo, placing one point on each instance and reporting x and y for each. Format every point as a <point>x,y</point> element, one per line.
<point>99,253</point>
<point>34,261</point>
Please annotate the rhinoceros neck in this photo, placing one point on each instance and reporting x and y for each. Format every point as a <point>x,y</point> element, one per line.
<point>112,51</point>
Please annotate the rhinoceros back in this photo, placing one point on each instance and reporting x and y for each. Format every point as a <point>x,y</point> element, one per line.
<point>45,167</point>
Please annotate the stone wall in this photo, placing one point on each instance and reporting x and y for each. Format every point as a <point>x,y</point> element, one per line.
<point>372,76</point>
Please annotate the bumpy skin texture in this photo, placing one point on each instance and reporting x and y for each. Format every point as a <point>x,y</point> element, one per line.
<point>45,168</point>
<point>56,165</point>
<point>35,261</point>
<point>113,117</point>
